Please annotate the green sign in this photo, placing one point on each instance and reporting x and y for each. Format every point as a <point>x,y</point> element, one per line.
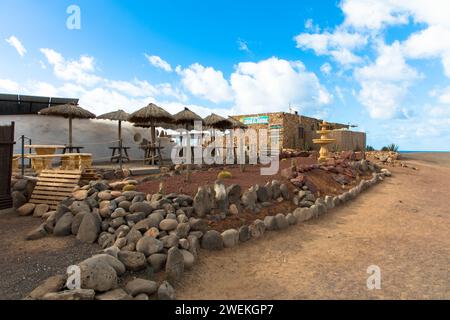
<point>255,120</point>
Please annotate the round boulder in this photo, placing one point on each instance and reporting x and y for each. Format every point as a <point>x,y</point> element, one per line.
<point>212,240</point>
<point>166,291</point>
<point>230,238</point>
<point>133,261</point>
<point>188,259</point>
<point>157,261</point>
<point>64,225</point>
<point>97,275</point>
<point>281,221</point>
<point>138,286</point>
<point>26,210</point>
<point>149,245</point>
<point>168,224</point>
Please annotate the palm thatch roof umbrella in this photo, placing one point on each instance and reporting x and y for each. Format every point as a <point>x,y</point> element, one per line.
<point>70,111</point>
<point>186,118</point>
<point>215,121</point>
<point>151,116</point>
<point>236,124</point>
<point>119,116</point>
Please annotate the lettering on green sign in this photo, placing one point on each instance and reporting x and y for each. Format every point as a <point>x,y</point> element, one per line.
<point>255,120</point>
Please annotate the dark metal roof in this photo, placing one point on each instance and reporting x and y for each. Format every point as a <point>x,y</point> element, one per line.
<point>14,104</point>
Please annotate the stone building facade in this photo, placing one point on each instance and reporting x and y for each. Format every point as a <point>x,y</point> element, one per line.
<point>298,131</point>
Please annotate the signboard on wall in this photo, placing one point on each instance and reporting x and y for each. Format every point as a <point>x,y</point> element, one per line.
<point>255,120</point>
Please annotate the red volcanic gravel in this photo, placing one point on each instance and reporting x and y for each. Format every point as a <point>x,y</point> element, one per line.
<point>246,179</point>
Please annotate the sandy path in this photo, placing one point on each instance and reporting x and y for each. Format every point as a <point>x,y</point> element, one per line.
<point>402,225</point>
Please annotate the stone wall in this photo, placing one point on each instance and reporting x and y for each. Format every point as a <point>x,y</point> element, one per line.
<point>348,140</point>
<point>292,138</point>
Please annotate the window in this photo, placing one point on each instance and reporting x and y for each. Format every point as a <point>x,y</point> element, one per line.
<point>301,133</point>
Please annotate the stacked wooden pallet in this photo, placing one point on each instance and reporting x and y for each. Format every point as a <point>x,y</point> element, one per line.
<point>55,185</point>
<point>89,174</point>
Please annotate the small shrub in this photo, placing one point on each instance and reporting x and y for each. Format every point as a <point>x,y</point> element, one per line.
<point>335,148</point>
<point>392,147</point>
<point>306,147</point>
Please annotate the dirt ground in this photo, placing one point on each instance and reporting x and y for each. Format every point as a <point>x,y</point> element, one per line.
<point>401,225</point>
<point>25,264</point>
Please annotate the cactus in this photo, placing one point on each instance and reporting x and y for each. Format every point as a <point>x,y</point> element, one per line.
<point>224,175</point>
<point>129,187</point>
<point>161,188</point>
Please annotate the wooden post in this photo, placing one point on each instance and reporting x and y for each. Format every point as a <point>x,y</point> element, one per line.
<point>22,138</point>
<point>70,133</point>
<point>188,155</point>
<point>120,144</point>
<point>153,143</point>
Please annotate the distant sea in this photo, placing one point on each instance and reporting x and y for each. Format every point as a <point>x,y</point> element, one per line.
<point>409,151</point>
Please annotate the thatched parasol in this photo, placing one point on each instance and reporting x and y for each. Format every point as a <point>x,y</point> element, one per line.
<point>151,113</point>
<point>187,119</point>
<point>70,111</point>
<point>151,116</point>
<point>217,122</point>
<point>119,116</point>
<point>236,124</point>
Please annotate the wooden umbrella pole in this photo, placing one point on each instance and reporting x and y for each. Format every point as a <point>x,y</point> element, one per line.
<point>120,145</point>
<point>70,133</point>
<point>188,155</point>
<point>153,139</point>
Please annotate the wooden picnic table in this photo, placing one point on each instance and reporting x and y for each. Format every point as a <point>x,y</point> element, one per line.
<point>152,153</point>
<point>121,152</point>
<point>72,149</point>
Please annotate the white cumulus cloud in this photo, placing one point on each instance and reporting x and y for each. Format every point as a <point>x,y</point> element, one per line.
<point>385,82</point>
<point>16,44</point>
<point>274,84</point>
<point>81,70</point>
<point>206,82</point>
<point>157,62</point>
<point>9,86</point>
<point>338,44</point>
<point>326,68</point>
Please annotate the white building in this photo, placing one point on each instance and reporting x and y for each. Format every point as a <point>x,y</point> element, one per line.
<point>96,136</point>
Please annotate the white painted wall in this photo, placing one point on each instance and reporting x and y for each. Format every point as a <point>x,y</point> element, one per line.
<point>95,135</point>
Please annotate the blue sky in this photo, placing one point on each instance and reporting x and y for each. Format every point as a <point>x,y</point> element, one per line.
<point>383,65</point>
